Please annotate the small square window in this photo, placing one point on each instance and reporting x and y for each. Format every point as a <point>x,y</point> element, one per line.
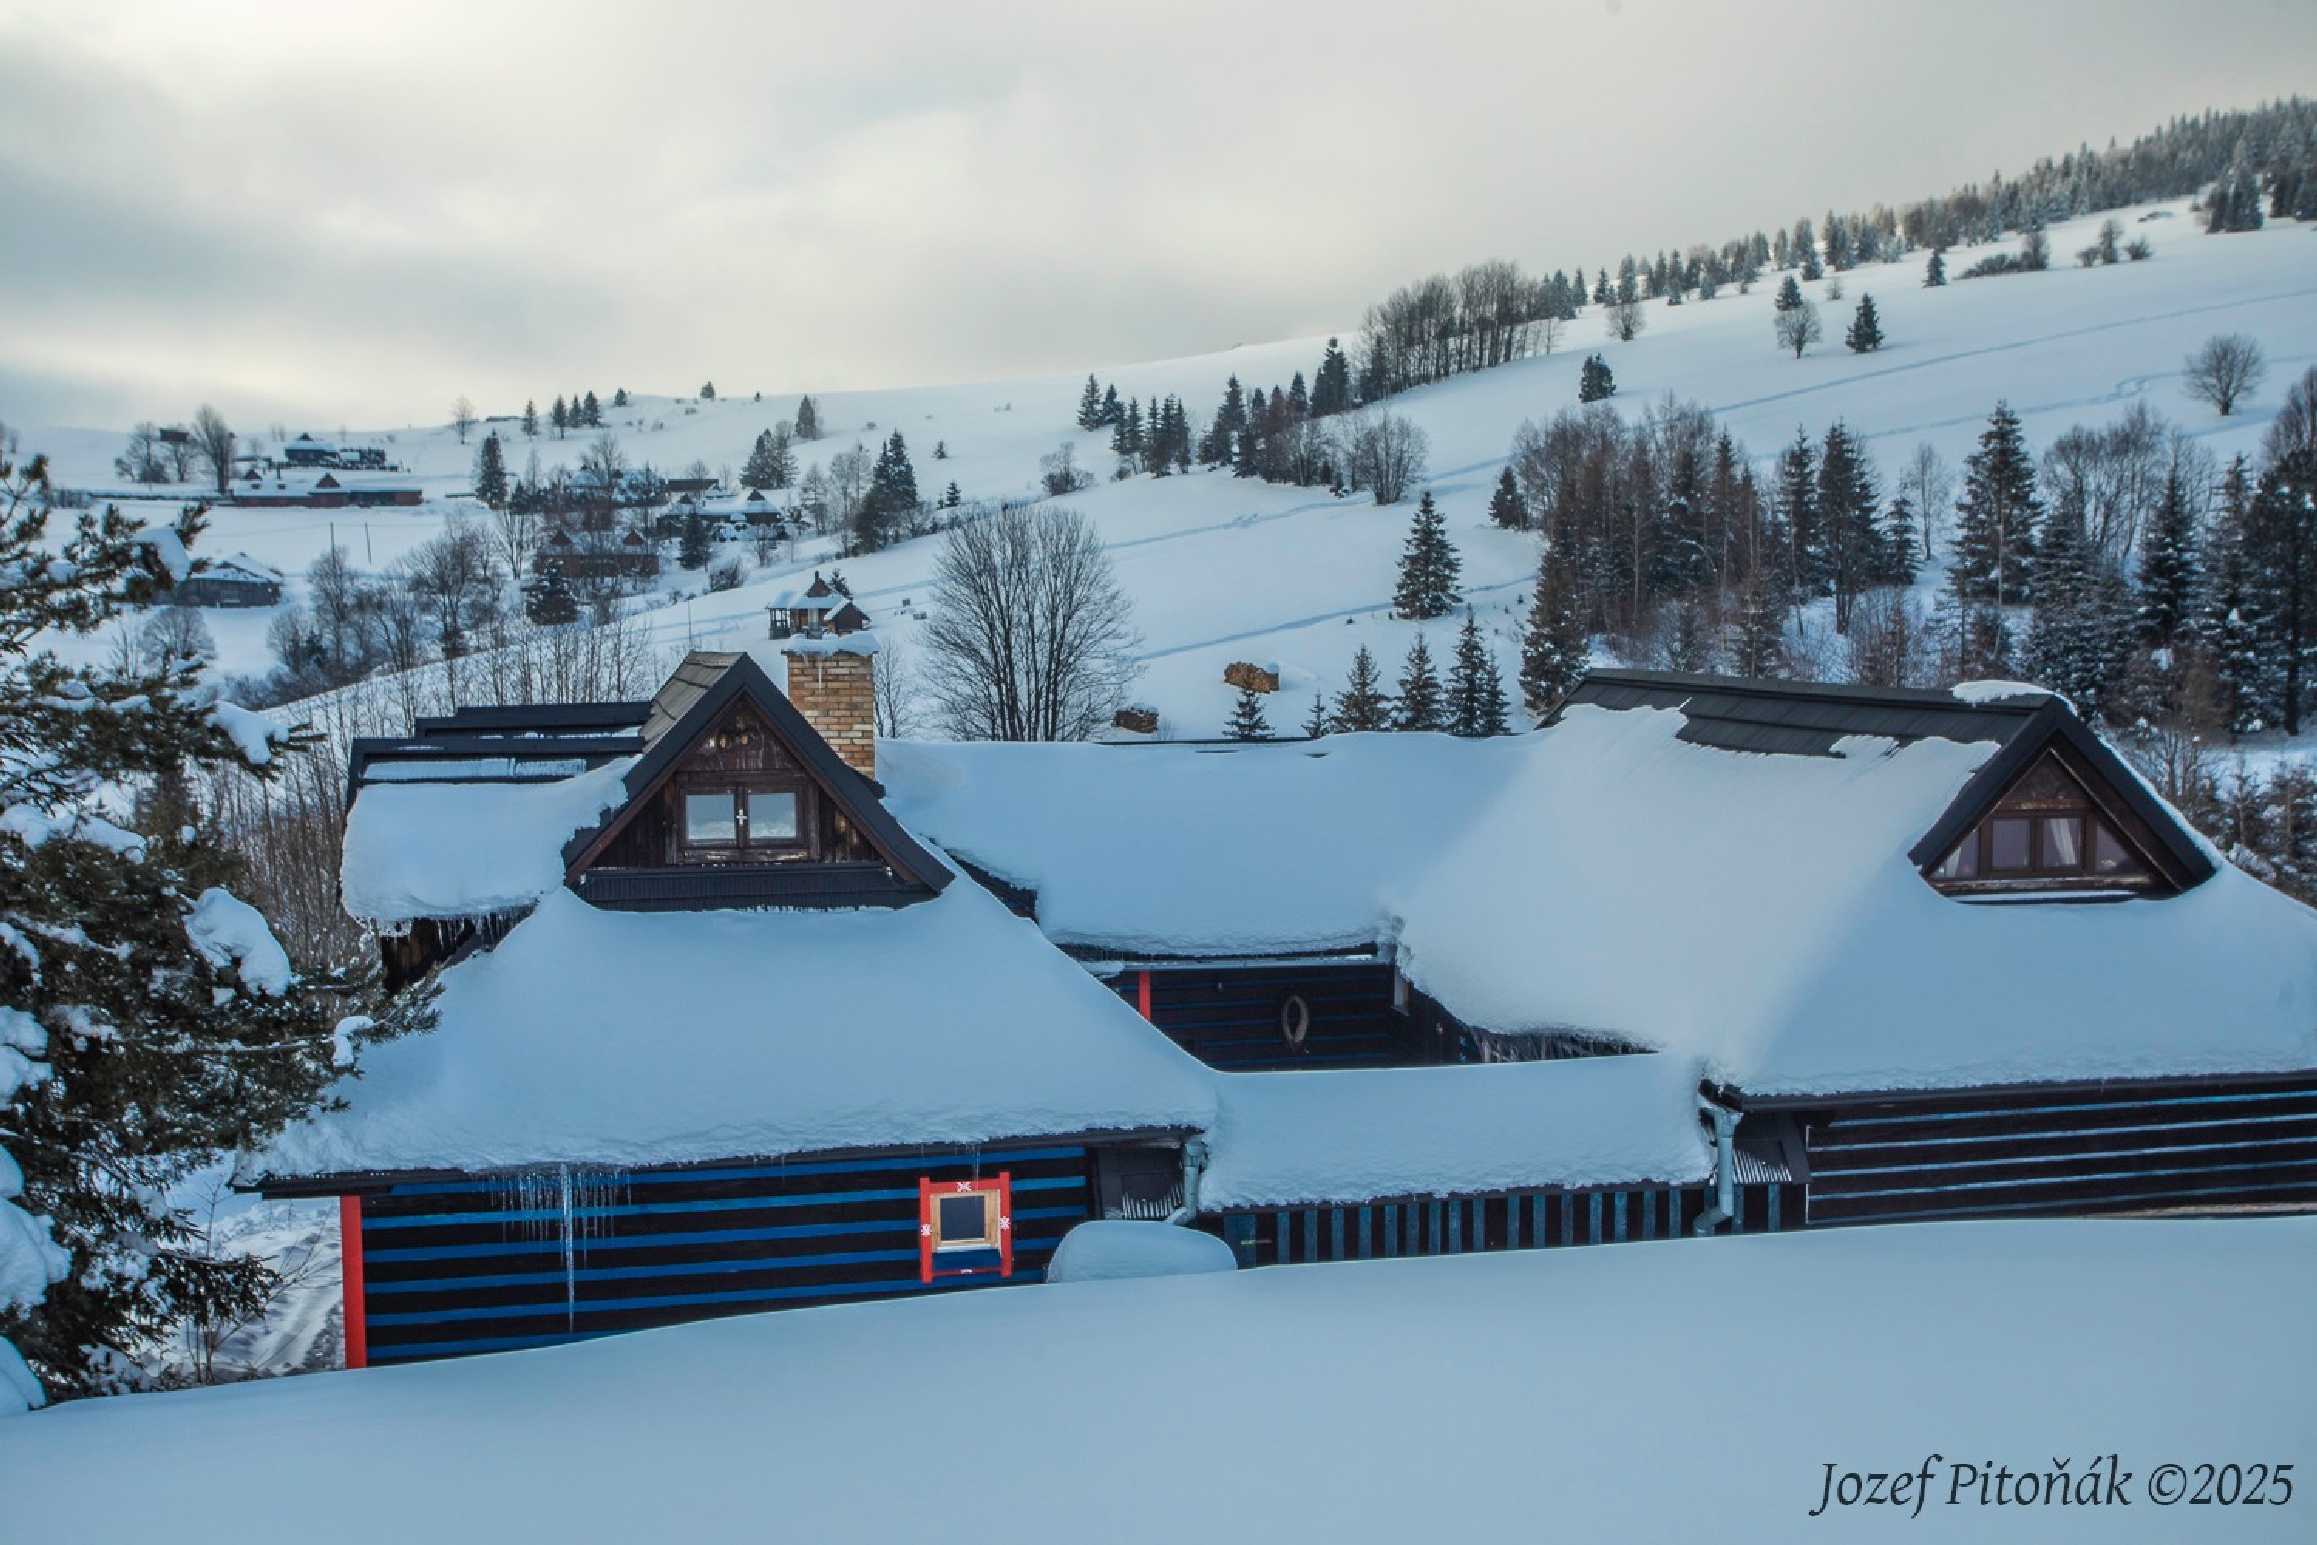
<point>965,1222</point>
<point>710,818</point>
<point>771,815</point>
<point>2008,839</point>
<point>2063,842</point>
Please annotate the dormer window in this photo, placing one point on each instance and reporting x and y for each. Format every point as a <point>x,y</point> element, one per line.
<point>743,819</point>
<point>2046,833</point>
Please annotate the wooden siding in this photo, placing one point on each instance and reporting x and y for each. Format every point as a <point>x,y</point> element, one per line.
<point>2020,1154</point>
<point>489,1263</point>
<point>1229,1016</point>
<point>1462,1225</point>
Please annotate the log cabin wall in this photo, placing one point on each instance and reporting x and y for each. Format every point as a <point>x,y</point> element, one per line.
<point>1239,1018</point>
<point>489,1263</point>
<point>1515,1220</point>
<point>2192,1146</point>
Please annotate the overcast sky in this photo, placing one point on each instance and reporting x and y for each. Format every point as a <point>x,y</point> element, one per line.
<point>344,213</point>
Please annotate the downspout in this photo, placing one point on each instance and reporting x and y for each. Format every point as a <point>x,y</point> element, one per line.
<point>1194,1165</point>
<point>1725,1204</point>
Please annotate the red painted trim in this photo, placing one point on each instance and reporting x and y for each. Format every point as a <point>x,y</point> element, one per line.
<point>1142,994</point>
<point>924,1229</point>
<point>350,1271</point>
<point>1006,1214</point>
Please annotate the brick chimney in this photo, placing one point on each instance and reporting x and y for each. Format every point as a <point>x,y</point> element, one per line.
<point>832,682</point>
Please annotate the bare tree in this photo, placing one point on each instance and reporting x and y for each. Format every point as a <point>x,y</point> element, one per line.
<point>515,530</point>
<point>2295,426</point>
<point>1624,319</point>
<point>893,687</point>
<point>1549,329</point>
<point>141,460</point>
<point>463,417</point>
<point>2229,366</point>
<point>177,445</point>
<point>1385,454</point>
<point>454,579</point>
<point>1926,481</point>
<point>1798,327</point>
<point>214,442</point>
<point>1059,472</point>
<point>1031,637</point>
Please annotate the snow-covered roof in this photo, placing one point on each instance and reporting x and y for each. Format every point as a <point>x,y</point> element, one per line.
<point>620,1039</point>
<point>241,567</point>
<point>1356,1134</point>
<point>1761,913</point>
<point>464,849</point>
<point>1156,849</point>
<point>1622,873</point>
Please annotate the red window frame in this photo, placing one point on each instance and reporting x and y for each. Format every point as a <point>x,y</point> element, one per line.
<point>930,1191</point>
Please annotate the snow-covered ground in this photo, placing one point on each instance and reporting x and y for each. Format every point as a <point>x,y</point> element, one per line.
<point>1641,1392</point>
<point>1223,568</point>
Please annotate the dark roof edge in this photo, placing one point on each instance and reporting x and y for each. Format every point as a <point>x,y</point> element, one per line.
<point>2025,704</point>
<point>2148,1084</point>
<point>341,1182</point>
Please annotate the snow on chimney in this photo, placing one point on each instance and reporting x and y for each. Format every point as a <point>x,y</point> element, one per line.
<point>832,682</point>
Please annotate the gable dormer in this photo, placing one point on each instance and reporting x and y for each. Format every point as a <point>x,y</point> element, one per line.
<point>2055,813</point>
<point>739,800</point>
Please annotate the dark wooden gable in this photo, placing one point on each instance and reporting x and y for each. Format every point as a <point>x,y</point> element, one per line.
<point>803,828</point>
<point>2055,810</point>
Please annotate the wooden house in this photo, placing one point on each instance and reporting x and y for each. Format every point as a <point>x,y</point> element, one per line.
<point>234,580</point>
<point>714,1033</point>
<point>1925,954</point>
<point>306,451</point>
<point>597,555</point>
<point>817,609</point>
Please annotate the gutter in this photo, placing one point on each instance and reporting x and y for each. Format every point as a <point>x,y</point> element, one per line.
<point>1725,1169</point>
<point>1194,1165</point>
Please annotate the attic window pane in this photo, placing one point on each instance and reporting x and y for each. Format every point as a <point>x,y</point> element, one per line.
<point>771,816</point>
<point>2109,855</point>
<point>2063,842</point>
<point>2008,842</point>
<point>1963,863</point>
<point>709,818</point>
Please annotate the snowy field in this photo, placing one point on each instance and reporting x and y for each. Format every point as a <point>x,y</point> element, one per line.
<point>1642,1392</point>
<point>1222,568</point>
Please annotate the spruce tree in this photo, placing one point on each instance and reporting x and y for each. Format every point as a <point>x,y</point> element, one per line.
<point>1866,329</point>
<point>491,473</point>
<point>1362,705</point>
<point>2280,549</point>
<point>1555,650</point>
<point>891,499</point>
<point>1317,723</point>
<point>1809,555</point>
<point>1112,412</point>
<point>1476,700</point>
<point>2170,580</point>
<point>808,419</point>
<point>530,420</point>
<point>1758,643</point>
<point>591,412</point>
<point>1090,405</point>
<point>1789,294</point>
<point>758,471</point>
<point>1429,567</point>
<point>950,497</point>
<point>1935,271</point>
<point>1849,511</point>
<point>560,417</point>
<point>1419,696</point>
<point>1506,507</point>
<point>1594,381</point>
<point>619,397</point>
<point>1247,721</point>
<point>152,1023</point>
<point>692,544</point>
<point>1996,518</point>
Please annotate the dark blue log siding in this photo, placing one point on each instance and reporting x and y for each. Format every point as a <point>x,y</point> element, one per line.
<point>2023,1154</point>
<point>1461,1225</point>
<point>1228,1017</point>
<point>489,1263</point>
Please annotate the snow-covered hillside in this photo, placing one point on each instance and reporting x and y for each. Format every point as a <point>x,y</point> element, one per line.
<point>1628,1392</point>
<point>1222,568</point>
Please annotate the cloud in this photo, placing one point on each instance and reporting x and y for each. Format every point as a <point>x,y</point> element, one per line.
<point>353,214</point>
